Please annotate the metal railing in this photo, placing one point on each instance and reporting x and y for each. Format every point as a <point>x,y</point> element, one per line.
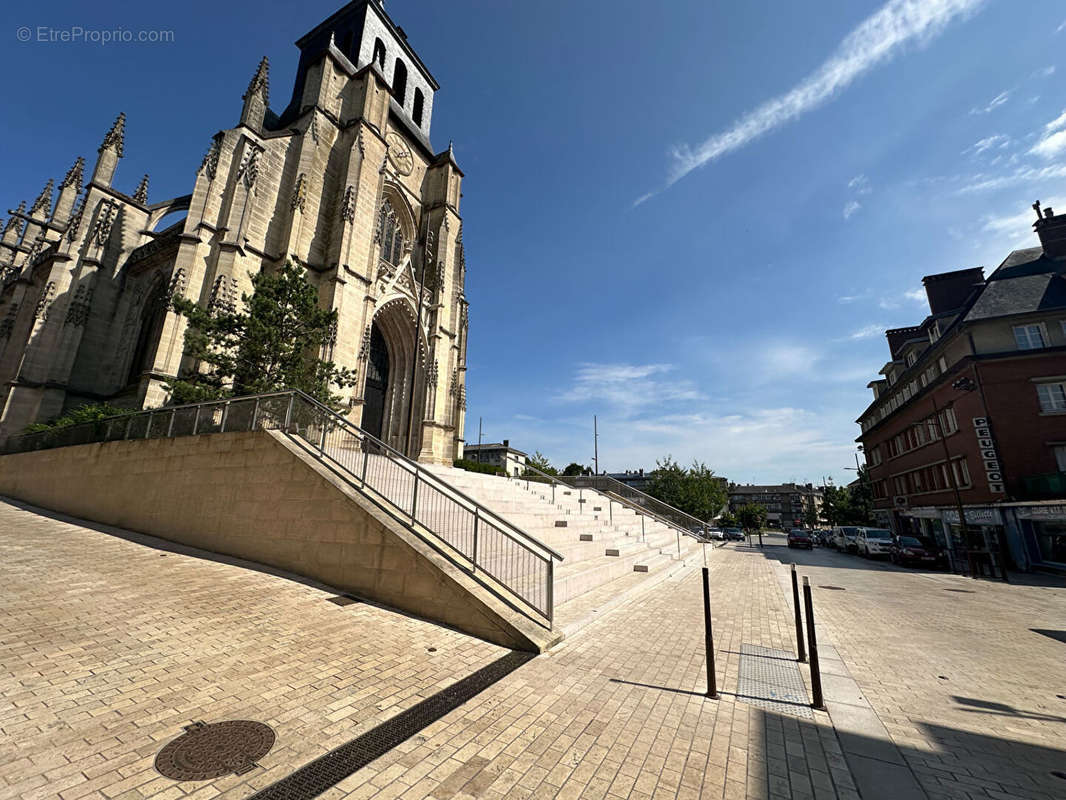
<point>642,503</point>
<point>479,541</point>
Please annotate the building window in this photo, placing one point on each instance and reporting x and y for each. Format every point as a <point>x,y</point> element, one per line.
<point>934,332</point>
<point>948,422</point>
<point>391,234</point>
<point>911,358</point>
<point>943,364</point>
<point>1060,456</point>
<point>379,53</point>
<point>1052,397</point>
<point>399,82</point>
<point>416,113</point>
<point>1029,337</point>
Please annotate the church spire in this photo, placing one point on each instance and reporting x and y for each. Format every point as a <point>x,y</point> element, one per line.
<point>257,98</point>
<point>110,152</point>
<point>75,175</point>
<point>13,229</point>
<point>141,195</point>
<point>43,203</point>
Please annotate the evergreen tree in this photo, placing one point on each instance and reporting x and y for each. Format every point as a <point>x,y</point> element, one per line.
<point>274,342</point>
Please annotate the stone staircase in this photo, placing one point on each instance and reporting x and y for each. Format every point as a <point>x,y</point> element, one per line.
<point>609,549</point>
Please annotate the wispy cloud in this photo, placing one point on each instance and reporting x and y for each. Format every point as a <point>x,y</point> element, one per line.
<point>1016,226</point>
<point>628,386</point>
<point>851,298</point>
<point>860,184</point>
<point>876,40</point>
<point>916,295</point>
<point>851,208</point>
<point>1046,72</point>
<point>867,332</point>
<point>993,104</point>
<point>996,141</point>
<point>1023,174</point>
<point>1061,28</point>
<point>1053,141</point>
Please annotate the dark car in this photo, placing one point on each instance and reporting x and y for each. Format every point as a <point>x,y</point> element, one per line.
<point>734,534</point>
<point>908,551</point>
<point>797,537</point>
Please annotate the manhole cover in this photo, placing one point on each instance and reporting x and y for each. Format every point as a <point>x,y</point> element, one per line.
<point>834,588</point>
<point>961,591</point>
<point>210,751</point>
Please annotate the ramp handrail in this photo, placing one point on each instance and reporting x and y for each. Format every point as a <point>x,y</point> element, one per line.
<point>472,536</point>
<point>627,496</point>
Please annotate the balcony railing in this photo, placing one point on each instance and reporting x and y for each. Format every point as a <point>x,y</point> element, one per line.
<point>504,559</point>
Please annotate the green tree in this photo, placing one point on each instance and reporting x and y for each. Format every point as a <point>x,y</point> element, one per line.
<point>573,468</point>
<point>849,505</point>
<point>90,412</point>
<point>540,461</point>
<point>752,517</point>
<point>273,342</point>
<point>810,516</point>
<point>729,520</point>
<point>695,490</point>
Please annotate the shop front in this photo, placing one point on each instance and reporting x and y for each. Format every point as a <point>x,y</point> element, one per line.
<point>1043,532</point>
<point>984,548</point>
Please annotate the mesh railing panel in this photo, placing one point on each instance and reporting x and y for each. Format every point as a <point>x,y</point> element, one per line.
<point>458,522</point>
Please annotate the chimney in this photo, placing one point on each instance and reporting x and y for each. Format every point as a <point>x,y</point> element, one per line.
<point>1052,231</point>
<point>506,442</point>
<point>949,291</point>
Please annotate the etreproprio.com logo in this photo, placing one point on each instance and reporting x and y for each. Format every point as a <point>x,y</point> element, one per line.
<point>76,34</point>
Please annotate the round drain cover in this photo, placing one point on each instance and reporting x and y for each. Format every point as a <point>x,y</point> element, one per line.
<point>210,751</point>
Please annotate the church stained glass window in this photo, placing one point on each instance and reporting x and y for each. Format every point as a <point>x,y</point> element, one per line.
<point>391,234</point>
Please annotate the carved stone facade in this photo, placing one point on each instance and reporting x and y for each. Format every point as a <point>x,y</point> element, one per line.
<point>343,182</point>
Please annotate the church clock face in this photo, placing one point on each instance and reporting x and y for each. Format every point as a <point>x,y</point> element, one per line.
<point>399,154</point>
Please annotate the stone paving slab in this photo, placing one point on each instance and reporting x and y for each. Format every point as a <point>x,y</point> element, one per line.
<point>110,645</point>
<point>970,699</point>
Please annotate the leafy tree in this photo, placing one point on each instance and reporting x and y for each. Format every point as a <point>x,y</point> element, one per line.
<point>573,468</point>
<point>540,461</point>
<point>752,517</point>
<point>90,412</point>
<point>810,516</point>
<point>695,490</point>
<point>273,343</point>
<point>729,520</point>
<point>844,505</point>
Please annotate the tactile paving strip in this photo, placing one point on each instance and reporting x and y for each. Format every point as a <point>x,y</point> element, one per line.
<point>314,778</point>
<point>771,679</point>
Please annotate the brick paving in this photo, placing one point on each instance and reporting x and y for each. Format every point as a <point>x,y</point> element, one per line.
<point>109,646</point>
<point>974,699</point>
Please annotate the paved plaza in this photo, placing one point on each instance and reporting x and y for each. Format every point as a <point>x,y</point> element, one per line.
<point>110,643</point>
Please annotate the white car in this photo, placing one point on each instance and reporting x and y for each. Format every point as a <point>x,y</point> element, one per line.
<point>716,533</point>
<point>874,542</point>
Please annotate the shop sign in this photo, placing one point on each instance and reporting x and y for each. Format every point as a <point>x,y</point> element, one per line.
<point>924,513</point>
<point>974,516</point>
<point>1040,512</point>
<point>989,457</point>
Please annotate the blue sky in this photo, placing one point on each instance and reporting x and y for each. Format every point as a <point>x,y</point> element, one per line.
<point>692,219</point>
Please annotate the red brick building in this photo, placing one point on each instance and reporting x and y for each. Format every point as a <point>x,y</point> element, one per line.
<point>974,399</point>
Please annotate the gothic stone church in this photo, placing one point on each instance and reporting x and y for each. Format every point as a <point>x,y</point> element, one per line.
<point>343,182</point>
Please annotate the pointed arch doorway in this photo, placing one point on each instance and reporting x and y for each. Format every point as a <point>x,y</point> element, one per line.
<point>377,384</point>
<point>387,395</point>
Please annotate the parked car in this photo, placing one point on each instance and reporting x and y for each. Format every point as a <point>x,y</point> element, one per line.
<point>907,550</point>
<point>843,538</point>
<point>734,534</point>
<point>797,537</point>
<point>874,542</point>
<point>717,534</point>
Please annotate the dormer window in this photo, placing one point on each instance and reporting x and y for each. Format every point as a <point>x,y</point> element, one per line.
<point>391,235</point>
<point>934,332</point>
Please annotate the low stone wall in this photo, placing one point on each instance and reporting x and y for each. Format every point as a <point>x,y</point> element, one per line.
<point>260,497</point>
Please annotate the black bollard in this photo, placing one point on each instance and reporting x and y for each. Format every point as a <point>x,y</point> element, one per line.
<point>812,647</point>
<point>799,616</point>
<point>712,683</point>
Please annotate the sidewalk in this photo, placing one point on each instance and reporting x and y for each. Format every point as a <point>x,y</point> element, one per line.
<point>110,646</point>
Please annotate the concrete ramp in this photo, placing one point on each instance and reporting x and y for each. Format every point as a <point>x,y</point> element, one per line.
<point>261,497</point>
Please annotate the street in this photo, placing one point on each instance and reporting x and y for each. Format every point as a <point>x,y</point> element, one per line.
<point>967,676</point>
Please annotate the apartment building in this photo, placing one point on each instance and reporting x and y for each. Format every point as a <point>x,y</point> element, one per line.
<point>970,411</point>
